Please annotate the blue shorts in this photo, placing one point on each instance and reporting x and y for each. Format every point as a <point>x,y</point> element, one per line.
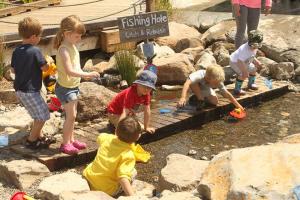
<point>35,105</point>
<point>66,95</point>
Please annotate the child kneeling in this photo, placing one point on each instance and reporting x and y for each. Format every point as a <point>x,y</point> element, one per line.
<point>113,169</point>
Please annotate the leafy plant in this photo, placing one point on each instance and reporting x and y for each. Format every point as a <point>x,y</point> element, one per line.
<point>164,5</point>
<point>127,65</point>
<point>27,1</point>
<point>2,51</point>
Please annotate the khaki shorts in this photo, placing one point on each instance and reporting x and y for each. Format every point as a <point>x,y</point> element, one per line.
<point>237,70</point>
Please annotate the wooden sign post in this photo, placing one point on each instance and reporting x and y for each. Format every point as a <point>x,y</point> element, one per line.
<point>150,5</point>
<point>143,26</point>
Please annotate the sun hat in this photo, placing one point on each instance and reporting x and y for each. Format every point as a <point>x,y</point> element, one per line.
<point>147,78</point>
<point>255,38</point>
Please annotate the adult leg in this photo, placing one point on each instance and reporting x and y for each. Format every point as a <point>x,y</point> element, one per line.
<point>241,22</point>
<point>253,19</point>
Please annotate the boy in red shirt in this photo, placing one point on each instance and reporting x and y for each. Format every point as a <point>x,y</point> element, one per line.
<point>129,100</point>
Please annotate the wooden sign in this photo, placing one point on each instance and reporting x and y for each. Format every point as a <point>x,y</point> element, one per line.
<point>143,26</point>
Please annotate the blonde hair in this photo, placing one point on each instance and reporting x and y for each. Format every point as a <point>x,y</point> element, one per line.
<point>28,27</point>
<point>215,72</point>
<point>71,23</point>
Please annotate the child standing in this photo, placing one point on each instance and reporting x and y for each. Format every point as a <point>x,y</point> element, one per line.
<point>69,76</point>
<point>28,63</point>
<point>113,168</point>
<point>247,13</point>
<point>202,83</point>
<point>244,63</point>
<point>128,101</point>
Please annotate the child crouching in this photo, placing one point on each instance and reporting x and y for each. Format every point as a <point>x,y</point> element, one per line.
<point>114,166</point>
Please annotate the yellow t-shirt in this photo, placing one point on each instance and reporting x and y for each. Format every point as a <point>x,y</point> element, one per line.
<point>64,79</point>
<point>114,160</point>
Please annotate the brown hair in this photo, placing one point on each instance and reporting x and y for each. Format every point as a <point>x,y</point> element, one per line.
<point>71,23</point>
<point>28,27</point>
<point>129,129</point>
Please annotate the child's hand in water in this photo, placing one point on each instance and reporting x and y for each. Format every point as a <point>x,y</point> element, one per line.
<point>181,102</point>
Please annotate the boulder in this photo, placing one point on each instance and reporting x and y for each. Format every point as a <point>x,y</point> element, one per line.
<point>143,188</point>
<point>178,177</point>
<point>282,71</point>
<point>51,187</point>
<point>263,172</point>
<point>9,96</point>
<point>8,74</point>
<point>221,54</point>
<point>168,195</point>
<point>173,69</point>
<point>206,59</point>
<point>87,195</point>
<point>266,63</point>
<point>217,32</point>
<point>17,118</point>
<point>22,173</point>
<point>291,139</point>
<point>101,67</point>
<point>194,52</point>
<point>92,101</point>
<point>177,32</point>
<point>51,126</point>
<point>185,43</point>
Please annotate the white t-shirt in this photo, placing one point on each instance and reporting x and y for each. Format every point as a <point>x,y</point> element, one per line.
<point>198,77</point>
<point>243,53</point>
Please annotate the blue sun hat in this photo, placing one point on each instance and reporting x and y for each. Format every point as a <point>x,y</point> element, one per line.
<point>147,78</point>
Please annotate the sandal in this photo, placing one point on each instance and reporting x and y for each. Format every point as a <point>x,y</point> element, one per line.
<point>43,142</point>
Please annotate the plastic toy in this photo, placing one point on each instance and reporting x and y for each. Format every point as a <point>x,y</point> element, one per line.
<point>21,196</point>
<point>238,113</point>
<point>140,154</point>
<point>49,78</point>
<point>54,104</point>
<point>164,111</point>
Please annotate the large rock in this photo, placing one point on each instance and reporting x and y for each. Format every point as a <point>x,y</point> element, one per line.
<point>22,173</point>
<point>143,188</point>
<point>267,64</point>
<point>178,177</point>
<point>173,69</point>
<point>188,43</point>
<point>194,52</point>
<point>168,195</point>
<point>221,54</point>
<point>101,67</point>
<point>87,195</point>
<point>9,96</point>
<point>51,187</point>
<point>177,32</point>
<point>17,118</point>
<point>263,172</point>
<point>282,71</point>
<point>205,59</point>
<point>52,125</point>
<point>93,101</point>
<point>217,32</point>
<point>291,139</point>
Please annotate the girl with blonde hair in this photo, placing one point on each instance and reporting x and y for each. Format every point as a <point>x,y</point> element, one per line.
<point>69,76</point>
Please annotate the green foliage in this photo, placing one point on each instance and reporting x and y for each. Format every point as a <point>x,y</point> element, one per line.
<point>2,51</point>
<point>164,5</point>
<point>27,1</point>
<point>127,65</point>
<point>2,5</point>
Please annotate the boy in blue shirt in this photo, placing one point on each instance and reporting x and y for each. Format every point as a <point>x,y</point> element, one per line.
<point>28,63</point>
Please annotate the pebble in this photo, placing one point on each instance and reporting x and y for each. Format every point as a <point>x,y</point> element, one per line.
<point>2,108</point>
<point>206,149</point>
<point>204,158</point>
<point>192,152</point>
<point>155,179</point>
<point>226,146</point>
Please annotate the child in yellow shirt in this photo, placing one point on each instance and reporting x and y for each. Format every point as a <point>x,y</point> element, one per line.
<point>113,167</point>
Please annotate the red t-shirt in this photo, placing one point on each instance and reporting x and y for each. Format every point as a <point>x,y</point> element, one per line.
<point>128,99</point>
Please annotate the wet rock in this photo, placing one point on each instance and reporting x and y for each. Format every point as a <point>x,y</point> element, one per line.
<point>8,96</point>
<point>168,195</point>
<point>206,59</point>
<point>142,188</point>
<point>192,152</point>
<point>173,69</point>
<point>160,51</point>
<point>177,32</point>
<point>17,118</point>
<point>188,43</point>
<point>22,173</point>
<point>241,174</point>
<point>177,177</point>
<point>87,195</point>
<point>51,187</point>
<point>93,100</point>
<point>282,71</point>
